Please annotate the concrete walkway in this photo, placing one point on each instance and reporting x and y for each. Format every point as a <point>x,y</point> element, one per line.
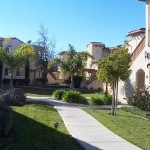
<point>88,132</point>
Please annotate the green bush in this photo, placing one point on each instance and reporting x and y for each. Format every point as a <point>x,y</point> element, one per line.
<point>96,100</point>
<point>5,119</point>
<point>108,99</point>
<point>58,94</point>
<point>101,100</point>
<point>74,97</point>
<point>140,98</point>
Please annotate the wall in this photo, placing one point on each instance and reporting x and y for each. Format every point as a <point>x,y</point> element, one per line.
<point>96,84</point>
<point>14,43</point>
<point>128,85</point>
<point>52,81</point>
<point>96,51</point>
<point>134,41</point>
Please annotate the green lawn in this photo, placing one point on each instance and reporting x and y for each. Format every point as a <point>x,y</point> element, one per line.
<point>34,130</point>
<point>47,91</point>
<point>91,94</point>
<point>127,125</point>
<point>37,95</point>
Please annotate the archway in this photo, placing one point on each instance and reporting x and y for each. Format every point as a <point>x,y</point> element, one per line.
<point>140,78</point>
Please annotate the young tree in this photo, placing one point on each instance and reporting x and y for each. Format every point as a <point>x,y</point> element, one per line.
<point>45,49</point>
<point>115,68</point>
<point>18,58</point>
<point>73,63</point>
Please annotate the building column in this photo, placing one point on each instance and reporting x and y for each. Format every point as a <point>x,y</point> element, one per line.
<point>147,23</point>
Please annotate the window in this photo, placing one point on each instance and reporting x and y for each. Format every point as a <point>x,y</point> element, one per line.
<point>7,71</point>
<point>19,71</point>
<point>8,48</point>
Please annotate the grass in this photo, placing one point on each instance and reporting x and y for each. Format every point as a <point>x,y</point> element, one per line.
<point>37,95</point>
<point>126,124</point>
<point>136,111</point>
<point>47,91</point>
<point>91,94</point>
<point>34,130</point>
<point>37,91</point>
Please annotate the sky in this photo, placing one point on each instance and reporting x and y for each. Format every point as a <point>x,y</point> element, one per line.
<point>75,22</point>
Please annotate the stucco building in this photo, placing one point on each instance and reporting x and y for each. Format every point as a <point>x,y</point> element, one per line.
<point>24,74</point>
<point>140,55</point>
<point>90,81</point>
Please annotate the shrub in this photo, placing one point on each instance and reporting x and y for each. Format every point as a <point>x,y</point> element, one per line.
<point>5,119</point>
<point>101,100</point>
<point>74,97</point>
<point>13,97</point>
<point>108,99</point>
<point>96,100</point>
<point>58,94</point>
<point>140,98</point>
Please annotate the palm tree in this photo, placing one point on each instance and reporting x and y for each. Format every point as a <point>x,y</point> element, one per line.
<point>72,65</point>
<point>17,59</point>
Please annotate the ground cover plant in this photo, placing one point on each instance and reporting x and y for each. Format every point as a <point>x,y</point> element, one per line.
<point>33,125</point>
<point>126,124</point>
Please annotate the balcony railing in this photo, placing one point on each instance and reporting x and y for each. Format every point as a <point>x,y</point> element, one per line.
<point>138,49</point>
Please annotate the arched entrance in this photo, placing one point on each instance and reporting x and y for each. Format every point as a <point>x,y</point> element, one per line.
<point>140,78</point>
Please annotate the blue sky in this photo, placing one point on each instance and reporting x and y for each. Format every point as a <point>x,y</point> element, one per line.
<point>77,22</point>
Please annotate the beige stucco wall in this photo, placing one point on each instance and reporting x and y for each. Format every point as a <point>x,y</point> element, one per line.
<point>139,63</point>
<point>52,81</point>
<point>96,84</point>
<point>134,41</point>
<point>98,51</point>
<point>14,43</point>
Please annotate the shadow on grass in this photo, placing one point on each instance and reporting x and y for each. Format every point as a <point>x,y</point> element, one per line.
<point>133,117</point>
<point>39,91</point>
<point>33,135</point>
<point>48,90</point>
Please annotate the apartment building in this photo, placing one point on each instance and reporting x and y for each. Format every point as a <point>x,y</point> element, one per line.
<point>90,81</point>
<point>139,47</point>
<point>26,74</point>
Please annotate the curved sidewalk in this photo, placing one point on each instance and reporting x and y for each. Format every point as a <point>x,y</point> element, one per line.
<point>88,132</point>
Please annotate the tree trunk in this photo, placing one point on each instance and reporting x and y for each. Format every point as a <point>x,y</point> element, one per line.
<point>72,82</point>
<point>106,89</point>
<point>113,101</point>
<point>11,79</point>
<point>116,99</point>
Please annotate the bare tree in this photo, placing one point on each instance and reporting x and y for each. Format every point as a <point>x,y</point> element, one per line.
<point>45,49</point>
